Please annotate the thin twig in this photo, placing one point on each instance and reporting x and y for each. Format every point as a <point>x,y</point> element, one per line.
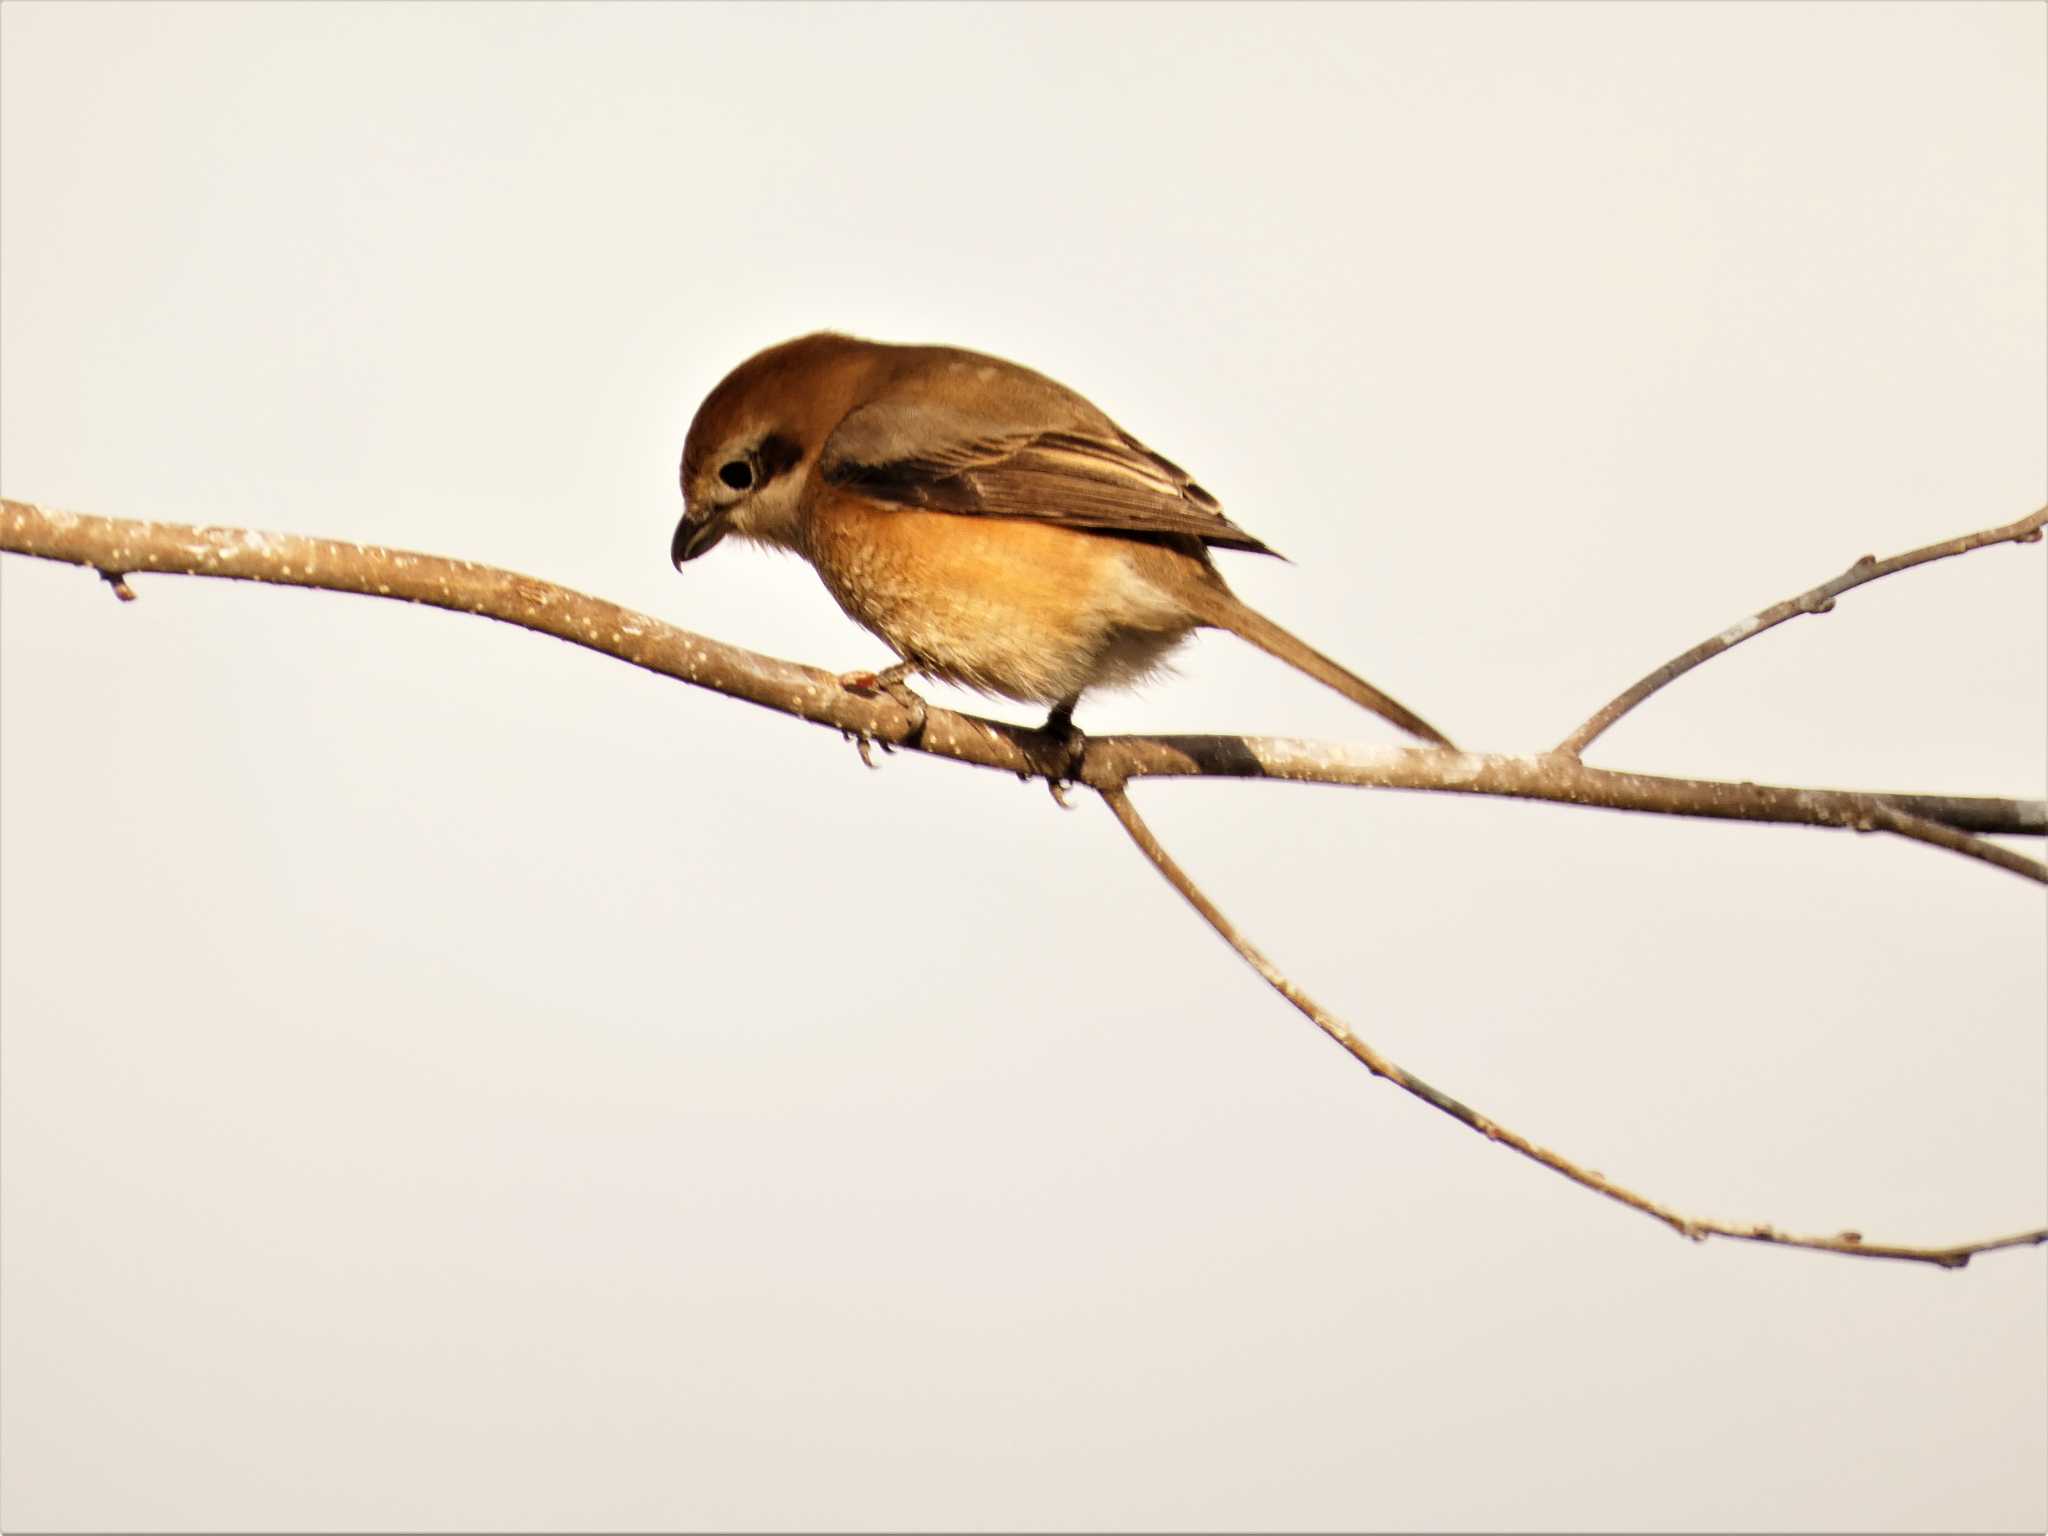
<point>1820,599</point>
<point>1853,1243</point>
<point>1119,803</point>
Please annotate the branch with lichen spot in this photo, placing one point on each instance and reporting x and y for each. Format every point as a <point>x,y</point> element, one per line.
<point>118,549</point>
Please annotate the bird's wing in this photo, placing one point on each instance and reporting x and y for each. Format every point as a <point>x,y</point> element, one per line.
<point>1085,474</point>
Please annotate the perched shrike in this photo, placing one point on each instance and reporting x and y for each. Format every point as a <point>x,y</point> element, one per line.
<point>993,527</point>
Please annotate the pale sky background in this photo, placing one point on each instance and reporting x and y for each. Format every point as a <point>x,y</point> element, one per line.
<point>451,1079</point>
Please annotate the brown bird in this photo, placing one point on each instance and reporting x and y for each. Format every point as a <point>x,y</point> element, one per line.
<point>993,527</point>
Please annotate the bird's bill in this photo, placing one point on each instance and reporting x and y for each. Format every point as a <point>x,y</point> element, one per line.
<point>695,535</point>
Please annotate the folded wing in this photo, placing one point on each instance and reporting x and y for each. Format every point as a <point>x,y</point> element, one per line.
<point>984,461</point>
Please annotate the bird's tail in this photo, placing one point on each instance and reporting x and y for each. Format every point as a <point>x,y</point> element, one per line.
<point>1218,607</point>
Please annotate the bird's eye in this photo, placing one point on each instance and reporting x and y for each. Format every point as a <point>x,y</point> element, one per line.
<point>737,473</point>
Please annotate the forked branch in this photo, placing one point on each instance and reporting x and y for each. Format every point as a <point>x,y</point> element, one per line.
<point>116,548</point>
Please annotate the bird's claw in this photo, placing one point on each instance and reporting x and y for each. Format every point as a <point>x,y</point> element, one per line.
<point>889,681</point>
<point>1072,744</point>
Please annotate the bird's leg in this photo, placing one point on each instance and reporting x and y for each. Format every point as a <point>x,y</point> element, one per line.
<point>890,681</point>
<point>1072,743</point>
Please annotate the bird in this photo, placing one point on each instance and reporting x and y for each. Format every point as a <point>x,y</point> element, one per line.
<point>993,527</point>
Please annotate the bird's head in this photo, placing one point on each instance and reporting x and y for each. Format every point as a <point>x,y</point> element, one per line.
<point>755,439</point>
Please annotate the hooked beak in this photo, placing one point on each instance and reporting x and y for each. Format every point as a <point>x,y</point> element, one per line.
<point>695,535</point>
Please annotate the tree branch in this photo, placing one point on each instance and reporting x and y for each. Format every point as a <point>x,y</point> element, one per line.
<point>1820,599</point>
<point>1686,1226</point>
<point>117,548</point>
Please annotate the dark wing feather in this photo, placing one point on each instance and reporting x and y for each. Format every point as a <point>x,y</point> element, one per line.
<point>974,463</point>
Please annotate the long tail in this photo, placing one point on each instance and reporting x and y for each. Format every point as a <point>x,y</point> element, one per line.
<point>1220,608</point>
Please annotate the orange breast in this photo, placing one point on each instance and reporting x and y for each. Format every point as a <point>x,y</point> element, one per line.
<point>1028,610</point>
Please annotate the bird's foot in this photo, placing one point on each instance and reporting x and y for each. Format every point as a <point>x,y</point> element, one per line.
<point>888,681</point>
<point>1070,742</point>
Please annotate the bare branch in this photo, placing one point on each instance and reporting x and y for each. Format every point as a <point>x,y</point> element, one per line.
<point>118,545</point>
<point>116,548</point>
<point>1119,803</point>
<point>1819,600</point>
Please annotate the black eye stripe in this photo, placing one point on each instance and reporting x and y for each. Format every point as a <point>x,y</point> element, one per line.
<point>737,474</point>
<point>778,455</point>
